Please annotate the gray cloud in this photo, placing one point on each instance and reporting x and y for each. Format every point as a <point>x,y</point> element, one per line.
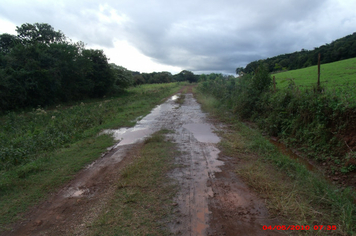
<point>195,35</point>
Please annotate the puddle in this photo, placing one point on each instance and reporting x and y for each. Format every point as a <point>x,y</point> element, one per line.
<point>78,193</point>
<point>174,97</point>
<point>75,192</point>
<point>286,151</point>
<point>144,127</point>
<point>202,132</point>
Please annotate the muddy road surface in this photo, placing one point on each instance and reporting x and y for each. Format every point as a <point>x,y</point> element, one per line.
<point>211,200</point>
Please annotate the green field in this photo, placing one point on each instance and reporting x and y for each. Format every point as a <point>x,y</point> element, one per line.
<point>340,73</point>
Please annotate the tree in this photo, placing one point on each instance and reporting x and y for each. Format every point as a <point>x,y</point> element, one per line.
<point>203,77</point>
<point>123,77</point>
<point>138,79</point>
<point>100,73</point>
<point>261,79</point>
<point>7,41</point>
<point>239,70</point>
<point>188,75</point>
<point>339,49</point>
<point>41,33</point>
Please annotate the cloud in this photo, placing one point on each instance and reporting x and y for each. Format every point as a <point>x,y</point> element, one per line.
<point>196,35</point>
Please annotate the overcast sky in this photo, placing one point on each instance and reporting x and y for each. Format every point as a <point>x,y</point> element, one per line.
<point>198,35</point>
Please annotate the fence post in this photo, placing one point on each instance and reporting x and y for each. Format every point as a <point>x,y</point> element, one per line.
<point>274,84</point>
<point>319,71</point>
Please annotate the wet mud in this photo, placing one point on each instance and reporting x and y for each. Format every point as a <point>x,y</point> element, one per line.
<point>211,199</point>
<point>236,210</point>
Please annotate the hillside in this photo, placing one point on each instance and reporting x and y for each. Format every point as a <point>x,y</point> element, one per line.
<point>340,49</point>
<point>340,73</point>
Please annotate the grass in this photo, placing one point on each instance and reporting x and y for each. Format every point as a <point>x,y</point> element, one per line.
<point>180,99</point>
<point>142,204</point>
<point>336,74</point>
<point>42,149</point>
<point>291,191</point>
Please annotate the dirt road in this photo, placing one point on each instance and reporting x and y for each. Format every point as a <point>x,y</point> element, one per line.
<point>212,200</point>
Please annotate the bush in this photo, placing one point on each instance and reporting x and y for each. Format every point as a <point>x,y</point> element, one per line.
<point>316,119</point>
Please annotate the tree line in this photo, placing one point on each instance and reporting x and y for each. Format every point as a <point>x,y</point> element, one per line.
<point>163,77</point>
<point>340,49</point>
<point>40,66</point>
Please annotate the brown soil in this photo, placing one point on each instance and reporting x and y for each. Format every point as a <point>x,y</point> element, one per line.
<point>212,200</point>
<point>79,200</point>
<point>236,210</point>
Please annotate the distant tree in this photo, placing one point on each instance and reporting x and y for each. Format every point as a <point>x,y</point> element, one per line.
<point>123,77</point>
<point>100,73</point>
<point>339,49</point>
<point>189,76</point>
<point>261,80</point>
<point>179,77</point>
<point>203,77</point>
<point>138,79</point>
<point>239,70</point>
<point>39,67</point>
<point>39,32</point>
<point>7,41</point>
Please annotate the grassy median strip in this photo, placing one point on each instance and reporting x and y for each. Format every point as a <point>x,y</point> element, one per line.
<point>42,149</point>
<point>143,203</point>
<point>291,191</point>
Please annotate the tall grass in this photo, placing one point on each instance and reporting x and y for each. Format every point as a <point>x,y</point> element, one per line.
<point>24,135</point>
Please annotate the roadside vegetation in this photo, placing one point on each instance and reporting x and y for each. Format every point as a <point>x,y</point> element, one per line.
<point>143,201</point>
<point>291,191</point>
<point>43,148</point>
<point>317,122</point>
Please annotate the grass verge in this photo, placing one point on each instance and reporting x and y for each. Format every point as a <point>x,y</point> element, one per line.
<point>142,204</point>
<point>291,191</point>
<point>65,144</point>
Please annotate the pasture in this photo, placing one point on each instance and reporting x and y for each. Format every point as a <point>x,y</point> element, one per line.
<point>336,74</point>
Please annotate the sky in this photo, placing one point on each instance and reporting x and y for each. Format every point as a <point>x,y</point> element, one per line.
<point>202,36</point>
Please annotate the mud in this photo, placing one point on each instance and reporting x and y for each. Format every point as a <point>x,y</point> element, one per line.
<point>236,210</point>
<point>211,200</point>
<point>64,211</point>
